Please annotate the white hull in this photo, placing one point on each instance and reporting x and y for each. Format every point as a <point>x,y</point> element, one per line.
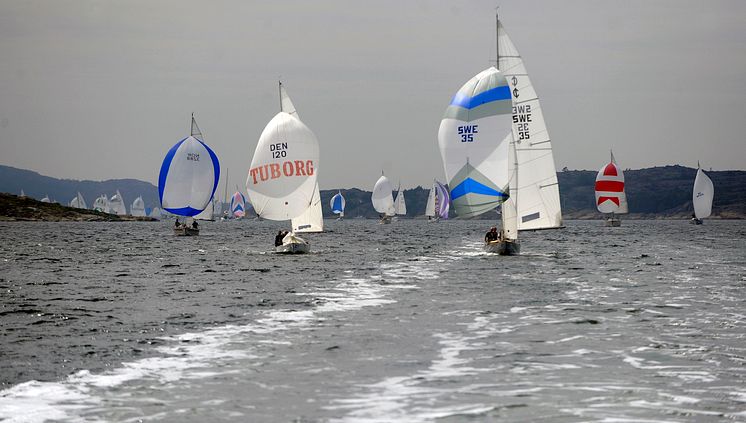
<point>293,248</point>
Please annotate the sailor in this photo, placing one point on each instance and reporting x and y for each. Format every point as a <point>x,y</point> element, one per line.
<point>491,235</point>
<point>278,238</point>
<point>176,224</point>
<point>195,225</point>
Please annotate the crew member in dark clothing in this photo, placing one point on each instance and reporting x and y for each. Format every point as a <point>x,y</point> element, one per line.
<point>176,224</point>
<point>491,235</point>
<point>278,238</point>
<point>195,225</point>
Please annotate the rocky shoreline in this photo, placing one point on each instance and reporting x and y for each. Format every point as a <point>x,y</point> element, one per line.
<point>14,208</point>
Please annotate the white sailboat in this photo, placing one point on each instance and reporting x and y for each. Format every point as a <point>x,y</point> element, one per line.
<point>116,204</point>
<point>438,202</point>
<point>430,205</point>
<point>400,205</point>
<point>101,204</point>
<point>312,220</point>
<point>703,193</point>
<point>337,204</point>
<point>609,190</point>
<point>78,202</point>
<point>46,199</point>
<point>23,194</point>
<point>208,212</point>
<point>188,179</point>
<point>138,207</point>
<point>282,178</point>
<point>535,179</point>
<point>383,200</point>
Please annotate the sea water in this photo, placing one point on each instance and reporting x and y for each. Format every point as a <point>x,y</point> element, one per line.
<point>407,322</point>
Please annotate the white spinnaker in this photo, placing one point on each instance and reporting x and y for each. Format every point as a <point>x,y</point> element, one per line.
<point>116,204</point>
<point>312,220</point>
<point>138,207</point>
<point>286,105</point>
<point>473,138</point>
<point>430,205</point>
<point>400,206</point>
<point>537,188</point>
<point>282,177</point>
<point>702,195</point>
<point>381,197</point>
<point>78,202</point>
<point>188,177</point>
<point>101,204</point>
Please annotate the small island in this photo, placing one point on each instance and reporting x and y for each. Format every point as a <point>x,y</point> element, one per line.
<point>14,208</point>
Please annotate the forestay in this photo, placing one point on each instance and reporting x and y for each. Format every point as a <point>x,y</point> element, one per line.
<point>382,199</point>
<point>537,189</point>
<point>473,139</point>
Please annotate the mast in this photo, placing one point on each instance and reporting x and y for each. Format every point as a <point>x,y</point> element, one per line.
<point>497,39</point>
<point>279,92</point>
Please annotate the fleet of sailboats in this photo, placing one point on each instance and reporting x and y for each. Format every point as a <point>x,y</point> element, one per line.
<point>610,196</point>
<point>282,182</point>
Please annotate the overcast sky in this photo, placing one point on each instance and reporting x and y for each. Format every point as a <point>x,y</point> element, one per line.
<point>102,89</point>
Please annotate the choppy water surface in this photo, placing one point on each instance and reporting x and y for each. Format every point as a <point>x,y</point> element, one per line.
<point>403,322</point>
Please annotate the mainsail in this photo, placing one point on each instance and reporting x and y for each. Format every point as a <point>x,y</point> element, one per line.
<point>536,178</point>
<point>702,194</point>
<point>382,199</point>
<point>189,175</point>
<point>473,138</point>
<point>430,205</point>
<point>282,178</point>
<point>312,220</point>
<point>338,204</point>
<point>610,196</point>
<point>138,207</point>
<point>400,205</point>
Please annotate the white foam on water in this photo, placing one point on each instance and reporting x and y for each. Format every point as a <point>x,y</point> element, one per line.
<point>197,355</point>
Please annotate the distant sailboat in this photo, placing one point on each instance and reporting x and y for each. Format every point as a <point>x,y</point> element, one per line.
<point>430,205</point>
<point>337,204</point>
<point>155,213</point>
<point>400,205</point>
<point>610,196</point>
<point>46,199</point>
<point>382,199</point>
<point>208,212</point>
<point>116,204</point>
<point>78,202</point>
<point>312,220</point>
<point>138,207</point>
<point>437,202</point>
<point>188,178</point>
<point>238,205</point>
<point>703,193</point>
<point>23,194</point>
<point>282,181</point>
<point>101,204</point>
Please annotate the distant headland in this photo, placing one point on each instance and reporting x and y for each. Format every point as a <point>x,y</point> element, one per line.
<point>663,192</point>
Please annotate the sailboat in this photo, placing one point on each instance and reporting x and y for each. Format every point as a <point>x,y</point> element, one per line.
<point>207,213</point>
<point>46,199</point>
<point>400,205</point>
<point>312,220</point>
<point>238,205</point>
<point>430,205</point>
<point>702,195</point>
<point>138,207</point>
<point>534,190</point>
<point>101,204</point>
<point>23,194</point>
<point>438,202</point>
<point>282,181</point>
<point>188,179</point>
<point>337,204</point>
<point>78,202</point>
<point>382,199</point>
<point>116,204</point>
<point>610,196</point>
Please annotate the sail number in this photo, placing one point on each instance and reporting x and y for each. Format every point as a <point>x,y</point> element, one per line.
<point>467,132</point>
<point>193,157</point>
<point>521,118</point>
<point>279,150</point>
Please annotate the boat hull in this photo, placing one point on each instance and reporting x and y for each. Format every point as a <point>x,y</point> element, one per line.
<point>613,222</point>
<point>293,248</point>
<point>186,231</point>
<point>503,248</point>
<point>695,221</point>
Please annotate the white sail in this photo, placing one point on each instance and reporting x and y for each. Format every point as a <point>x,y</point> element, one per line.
<point>208,212</point>
<point>217,208</point>
<point>156,213</point>
<point>312,220</point>
<point>282,176</point>
<point>138,207</point>
<point>430,206</point>
<point>78,202</point>
<point>46,199</point>
<point>286,105</point>
<point>473,138</point>
<point>537,189</point>
<point>116,204</point>
<point>101,204</point>
<point>23,194</point>
<point>702,195</point>
<point>609,189</point>
<point>383,200</point>
<point>189,175</point>
<point>400,206</point>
